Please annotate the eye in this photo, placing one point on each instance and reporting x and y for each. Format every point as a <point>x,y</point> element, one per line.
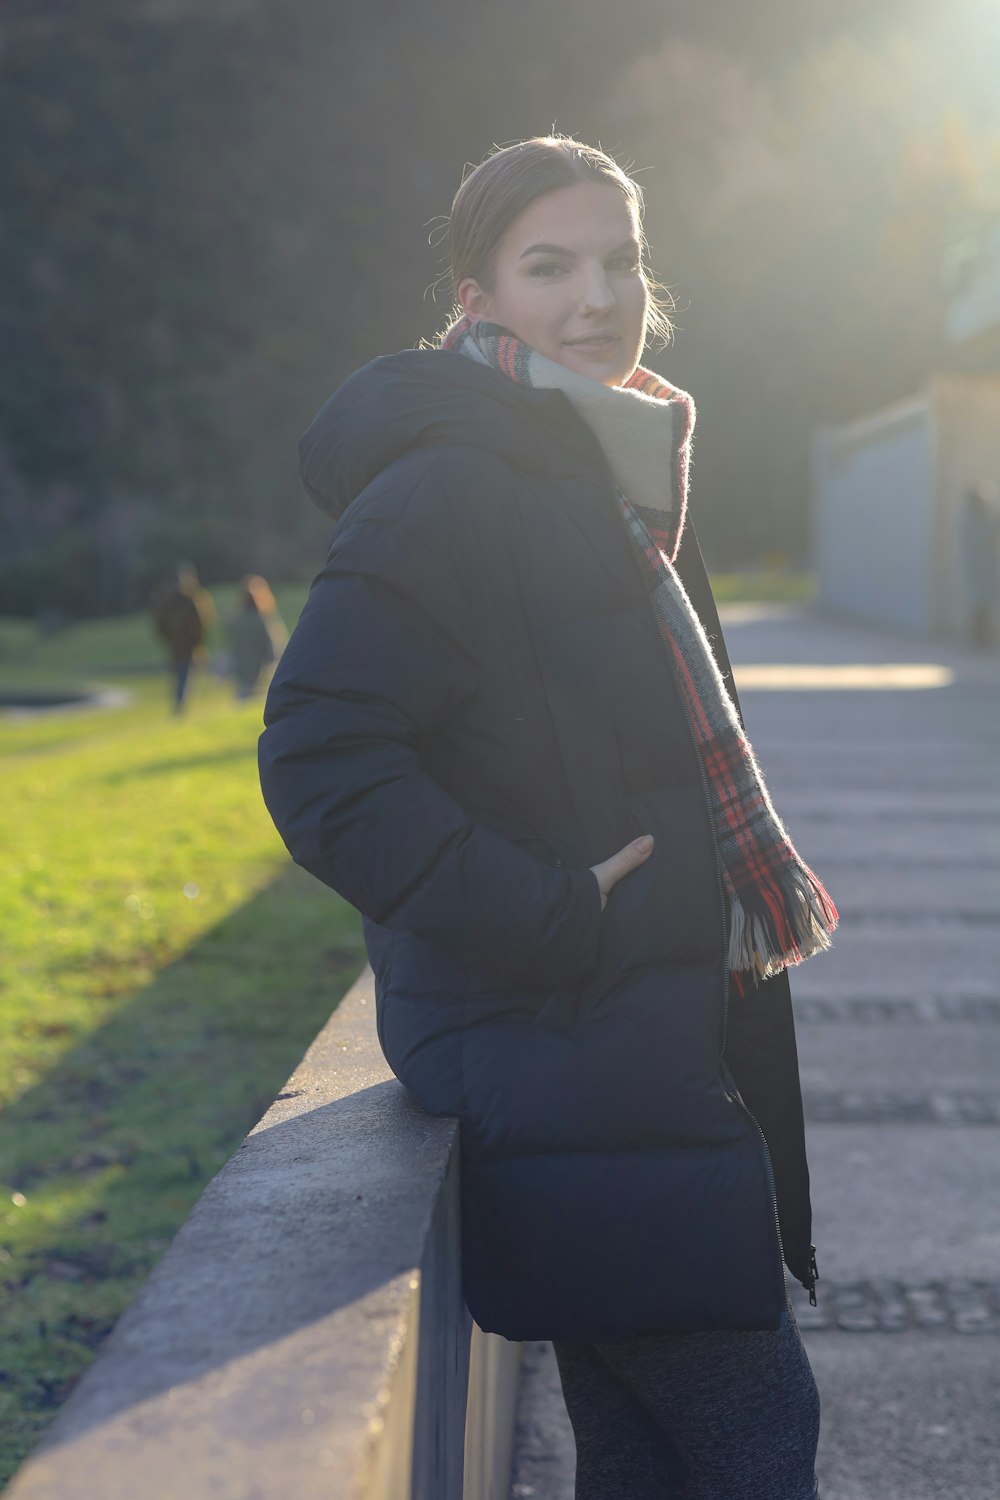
<point>626,262</point>
<point>546,268</point>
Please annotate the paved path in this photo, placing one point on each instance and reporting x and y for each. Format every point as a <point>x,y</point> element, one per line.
<point>893,793</point>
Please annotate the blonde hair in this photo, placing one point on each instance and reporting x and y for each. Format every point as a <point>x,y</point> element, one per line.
<point>257,593</point>
<point>506,181</point>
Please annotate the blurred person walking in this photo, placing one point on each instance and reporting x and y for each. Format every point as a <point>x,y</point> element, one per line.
<point>182,612</point>
<point>255,633</point>
<point>505,730</point>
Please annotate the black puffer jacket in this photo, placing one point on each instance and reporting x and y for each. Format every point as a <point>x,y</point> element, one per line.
<point>474,708</point>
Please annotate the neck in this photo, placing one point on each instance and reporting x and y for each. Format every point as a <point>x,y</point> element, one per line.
<point>644,426</point>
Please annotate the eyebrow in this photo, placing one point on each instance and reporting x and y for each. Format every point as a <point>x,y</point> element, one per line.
<point>629,244</point>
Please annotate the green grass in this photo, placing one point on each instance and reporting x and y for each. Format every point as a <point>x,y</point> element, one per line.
<point>163,967</point>
<point>764,586</point>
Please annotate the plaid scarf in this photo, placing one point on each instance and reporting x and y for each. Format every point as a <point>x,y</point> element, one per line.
<point>779,913</point>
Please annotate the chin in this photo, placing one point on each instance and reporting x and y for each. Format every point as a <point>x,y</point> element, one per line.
<point>610,371</point>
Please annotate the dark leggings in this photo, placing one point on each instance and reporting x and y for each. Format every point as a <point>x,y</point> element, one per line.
<point>695,1416</point>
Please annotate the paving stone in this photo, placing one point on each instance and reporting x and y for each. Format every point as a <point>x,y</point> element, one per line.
<point>909,1202</point>
<point>887,1306</point>
<point>870,1010</point>
<point>949,804</point>
<point>884,1057</point>
<point>903,961</point>
<point>906,1417</point>
<point>826,768</point>
<point>847,844</point>
<point>852,1107</point>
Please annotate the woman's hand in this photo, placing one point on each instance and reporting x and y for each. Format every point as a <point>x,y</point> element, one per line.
<point>610,871</point>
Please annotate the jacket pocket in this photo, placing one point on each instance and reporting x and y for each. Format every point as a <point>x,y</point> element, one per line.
<point>541,848</point>
<point>566,849</point>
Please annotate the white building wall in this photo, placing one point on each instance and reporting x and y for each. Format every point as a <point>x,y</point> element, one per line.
<point>873,517</point>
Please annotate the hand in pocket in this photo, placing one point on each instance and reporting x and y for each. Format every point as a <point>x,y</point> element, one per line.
<point>610,871</point>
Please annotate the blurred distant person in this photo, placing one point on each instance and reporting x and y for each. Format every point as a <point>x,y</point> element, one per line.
<point>255,633</point>
<point>505,730</point>
<point>981,561</point>
<point>182,612</point>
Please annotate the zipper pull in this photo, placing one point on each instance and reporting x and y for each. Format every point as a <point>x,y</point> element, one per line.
<point>813,1275</point>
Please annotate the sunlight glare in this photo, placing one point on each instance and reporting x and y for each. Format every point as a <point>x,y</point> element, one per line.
<point>841,676</point>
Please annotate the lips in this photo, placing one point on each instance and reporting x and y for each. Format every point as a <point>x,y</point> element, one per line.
<point>595,338</point>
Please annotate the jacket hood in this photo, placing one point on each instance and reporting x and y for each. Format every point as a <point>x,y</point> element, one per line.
<point>431,398</point>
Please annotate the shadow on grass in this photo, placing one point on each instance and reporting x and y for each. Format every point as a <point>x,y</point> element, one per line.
<point>106,1155</point>
<point>279,1241</point>
<point>177,763</point>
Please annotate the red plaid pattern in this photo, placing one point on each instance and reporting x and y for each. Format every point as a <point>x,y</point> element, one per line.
<point>779,912</point>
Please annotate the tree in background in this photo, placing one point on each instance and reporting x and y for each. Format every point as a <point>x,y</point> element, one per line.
<point>805,234</point>
<point>213,214</point>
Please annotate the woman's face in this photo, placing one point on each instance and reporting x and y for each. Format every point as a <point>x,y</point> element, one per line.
<point>568,280</point>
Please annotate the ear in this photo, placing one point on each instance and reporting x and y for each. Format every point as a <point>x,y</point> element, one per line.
<point>475,302</point>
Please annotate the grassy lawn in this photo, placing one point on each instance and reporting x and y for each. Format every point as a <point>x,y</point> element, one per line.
<point>163,967</point>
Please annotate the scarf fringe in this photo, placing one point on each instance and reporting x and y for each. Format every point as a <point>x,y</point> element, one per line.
<point>762,946</point>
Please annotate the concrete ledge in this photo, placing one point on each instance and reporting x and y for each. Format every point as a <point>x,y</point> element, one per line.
<point>304,1334</point>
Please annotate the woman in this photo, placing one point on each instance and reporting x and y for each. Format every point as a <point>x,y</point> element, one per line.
<point>255,633</point>
<point>499,732</point>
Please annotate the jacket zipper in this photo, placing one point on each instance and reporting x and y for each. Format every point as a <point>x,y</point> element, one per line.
<point>733,1097</point>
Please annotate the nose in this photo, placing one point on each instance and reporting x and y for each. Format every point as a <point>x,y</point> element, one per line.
<point>596,295</point>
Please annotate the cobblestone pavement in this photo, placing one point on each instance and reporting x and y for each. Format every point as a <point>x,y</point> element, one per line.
<point>893,795</point>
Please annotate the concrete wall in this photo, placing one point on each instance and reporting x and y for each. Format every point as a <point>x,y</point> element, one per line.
<point>304,1335</point>
<point>889,493</point>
